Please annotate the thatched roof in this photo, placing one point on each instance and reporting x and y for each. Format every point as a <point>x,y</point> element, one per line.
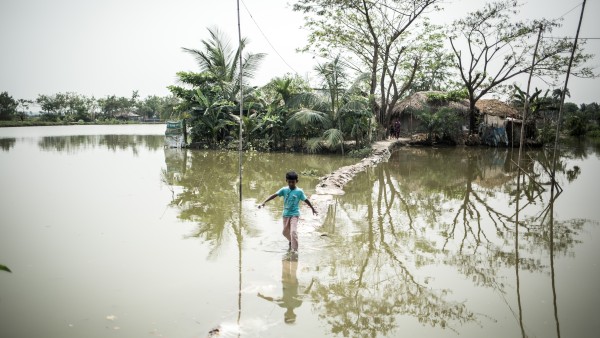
<point>495,107</point>
<point>420,101</point>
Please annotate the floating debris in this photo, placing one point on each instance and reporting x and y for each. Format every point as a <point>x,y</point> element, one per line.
<point>214,332</point>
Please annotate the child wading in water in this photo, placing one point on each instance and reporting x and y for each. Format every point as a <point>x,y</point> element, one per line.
<point>292,195</point>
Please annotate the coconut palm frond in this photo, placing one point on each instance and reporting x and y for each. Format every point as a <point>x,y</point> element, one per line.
<point>333,137</point>
<point>216,55</point>
<point>219,59</point>
<point>314,145</point>
<point>306,116</point>
<point>201,58</point>
<point>359,81</point>
<point>355,106</point>
<point>250,64</point>
<point>281,85</point>
<point>305,100</point>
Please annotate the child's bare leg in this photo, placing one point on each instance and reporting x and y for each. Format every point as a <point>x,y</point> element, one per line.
<point>294,232</point>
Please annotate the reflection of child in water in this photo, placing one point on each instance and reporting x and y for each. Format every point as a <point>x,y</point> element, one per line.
<point>289,283</point>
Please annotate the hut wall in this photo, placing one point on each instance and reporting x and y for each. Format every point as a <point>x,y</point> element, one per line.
<point>493,120</point>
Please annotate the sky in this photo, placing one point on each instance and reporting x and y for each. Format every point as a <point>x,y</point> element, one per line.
<point>113,47</point>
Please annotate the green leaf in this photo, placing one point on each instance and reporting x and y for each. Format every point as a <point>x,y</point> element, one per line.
<point>4,268</point>
<point>333,137</point>
<point>307,116</point>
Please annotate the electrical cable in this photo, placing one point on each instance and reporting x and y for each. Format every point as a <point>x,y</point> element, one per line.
<point>269,42</point>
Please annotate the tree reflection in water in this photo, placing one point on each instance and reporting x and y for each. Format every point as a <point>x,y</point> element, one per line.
<point>427,207</point>
<point>207,186</point>
<point>76,143</point>
<point>424,208</point>
<point>7,143</point>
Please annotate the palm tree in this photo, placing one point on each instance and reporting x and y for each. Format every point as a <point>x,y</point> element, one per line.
<point>216,89</point>
<point>282,97</point>
<point>327,109</point>
<point>219,59</point>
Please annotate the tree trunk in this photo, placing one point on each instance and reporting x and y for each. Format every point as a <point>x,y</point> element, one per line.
<point>472,117</point>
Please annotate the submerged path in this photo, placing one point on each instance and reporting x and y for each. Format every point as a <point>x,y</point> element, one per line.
<point>333,183</point>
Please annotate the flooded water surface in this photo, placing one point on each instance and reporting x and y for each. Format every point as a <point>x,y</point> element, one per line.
<point>108,234</point>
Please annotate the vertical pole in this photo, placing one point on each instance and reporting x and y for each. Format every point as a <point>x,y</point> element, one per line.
<point>240,154</point>
<point>241,98</point>
<point>562,95</point>
<point>526,108</point>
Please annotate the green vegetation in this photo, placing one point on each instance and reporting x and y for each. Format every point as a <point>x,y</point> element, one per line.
<point>583,120</point>
<point>74,108</point>
<point>442,124</point>
<point>450,96</point>
<point>284,114</point>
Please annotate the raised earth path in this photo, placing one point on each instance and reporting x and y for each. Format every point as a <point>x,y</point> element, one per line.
<point>333,184</point>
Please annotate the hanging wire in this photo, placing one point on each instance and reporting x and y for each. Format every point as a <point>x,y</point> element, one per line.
<point>266,38</point>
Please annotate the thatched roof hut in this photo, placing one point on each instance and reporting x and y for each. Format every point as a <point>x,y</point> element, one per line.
<point>426,101</point>
<point>495,107</point>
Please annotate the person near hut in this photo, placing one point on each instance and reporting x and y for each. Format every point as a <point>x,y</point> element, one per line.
<point>396,125</point>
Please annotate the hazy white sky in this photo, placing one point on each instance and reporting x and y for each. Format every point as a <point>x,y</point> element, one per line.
<point>106,47</point>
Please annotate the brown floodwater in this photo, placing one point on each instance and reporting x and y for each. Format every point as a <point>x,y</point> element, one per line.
<point>108,234</point>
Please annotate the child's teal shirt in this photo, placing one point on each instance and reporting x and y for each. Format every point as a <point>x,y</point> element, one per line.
<point>291,200</point>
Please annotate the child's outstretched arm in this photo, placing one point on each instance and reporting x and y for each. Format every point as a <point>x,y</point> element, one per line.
<point>310,205</point>
<point>267,200</point>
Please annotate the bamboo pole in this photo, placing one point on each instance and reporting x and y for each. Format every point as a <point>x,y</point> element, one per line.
<point>562,95</point>
<point>241,99</point>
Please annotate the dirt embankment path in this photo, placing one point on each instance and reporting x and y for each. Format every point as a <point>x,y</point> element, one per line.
<point>333,183</point>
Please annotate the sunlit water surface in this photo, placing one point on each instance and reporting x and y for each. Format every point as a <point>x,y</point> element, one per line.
<point>108,234</point>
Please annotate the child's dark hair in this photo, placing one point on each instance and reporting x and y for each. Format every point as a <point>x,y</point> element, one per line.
<point>291,175</point>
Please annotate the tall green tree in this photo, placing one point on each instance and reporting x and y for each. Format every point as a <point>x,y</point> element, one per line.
<point>113,105</point>
<point>491,47</point>
<point>216,90</point>
<point>8,106</point>
<point>23,108</point>
<point>67,106</point>
<point>279,98</point>
<point>374,35</point>
<point>154,106</point>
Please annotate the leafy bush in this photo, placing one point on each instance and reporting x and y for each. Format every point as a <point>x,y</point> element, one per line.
<point>547,134</point>
<point>360,153</point>
<point>577,124</point>
<point>445,123</point>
